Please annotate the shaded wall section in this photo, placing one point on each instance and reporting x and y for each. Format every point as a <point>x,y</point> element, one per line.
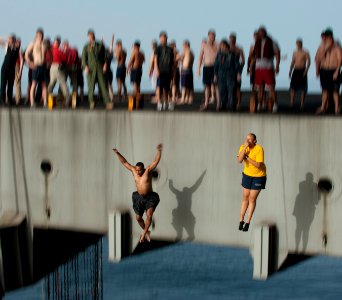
<point>198,167</point>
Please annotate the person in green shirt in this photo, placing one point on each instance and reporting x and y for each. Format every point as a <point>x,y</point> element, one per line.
<point>94,66</point>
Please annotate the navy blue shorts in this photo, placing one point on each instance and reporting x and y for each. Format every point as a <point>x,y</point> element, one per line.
<point>176,78</point>
<point>109,76</point>
<point>187,79</point>
<point>39,74</point>
<point>80,79</point>
<point>142,204</point>
<point>208,75</point>
<point>253,183</point>
<point>136,75</point>
<point>327,81</point>
<point>164,81</point>
<point>121,73</point>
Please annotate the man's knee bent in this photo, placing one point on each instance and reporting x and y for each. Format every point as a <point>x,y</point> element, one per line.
<point>138,218</point>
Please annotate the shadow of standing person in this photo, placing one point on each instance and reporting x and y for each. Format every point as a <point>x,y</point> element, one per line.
<point>304,209</point>
<point>182,216</point>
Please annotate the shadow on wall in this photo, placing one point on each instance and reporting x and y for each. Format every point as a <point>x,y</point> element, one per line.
<point>182,216</point>
<point>304,210</point>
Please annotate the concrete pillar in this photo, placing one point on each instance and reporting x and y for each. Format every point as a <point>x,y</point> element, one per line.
<point>15,260</point>
<point>264,252</point>
<point>119,235</point>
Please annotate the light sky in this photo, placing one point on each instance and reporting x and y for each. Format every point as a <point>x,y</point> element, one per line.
<point>143,20</point>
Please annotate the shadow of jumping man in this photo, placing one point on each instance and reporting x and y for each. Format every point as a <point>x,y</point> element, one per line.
<point>182,216</point>
<point>304,209</point>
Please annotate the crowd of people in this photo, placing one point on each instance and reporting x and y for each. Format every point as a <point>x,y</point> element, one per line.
<point>171,71</point>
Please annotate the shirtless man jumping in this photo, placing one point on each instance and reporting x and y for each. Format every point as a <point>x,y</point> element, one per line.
<point>144,199</point>
<point>298,73</point>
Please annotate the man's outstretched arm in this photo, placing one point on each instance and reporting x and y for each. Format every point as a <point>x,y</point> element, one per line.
<point>123,160</point>
<point>156,161</point>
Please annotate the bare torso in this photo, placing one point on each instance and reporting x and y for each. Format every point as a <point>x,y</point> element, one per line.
<point>188,59</point>
<point>209,53</point>
<point>120,56</point>
<point>238,51</point>
<point>38,52</point>
<point>300,59</point>
<point>138,59</point>
<point>176,59</point>
<point>332,58</point>
<point>143,183</point>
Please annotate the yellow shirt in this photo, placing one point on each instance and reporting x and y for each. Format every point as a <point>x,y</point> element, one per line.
<point>257,154</point>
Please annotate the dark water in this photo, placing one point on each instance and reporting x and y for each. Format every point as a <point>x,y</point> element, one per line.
<point>195,271</point>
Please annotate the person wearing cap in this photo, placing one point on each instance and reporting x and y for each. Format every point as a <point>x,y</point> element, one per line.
<point>134,67</point>
<point>57,71</point>
<point>207,57</point>
<point>300,65</point>
<point>8,73</point>
<point>328,63</point>
<point>94,66</point>
<point>163,64</point>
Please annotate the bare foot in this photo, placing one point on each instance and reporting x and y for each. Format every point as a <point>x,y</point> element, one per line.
<point>142,238</point>
<point>145,236</point>
<point>148,236</point>
<point>203,107</point>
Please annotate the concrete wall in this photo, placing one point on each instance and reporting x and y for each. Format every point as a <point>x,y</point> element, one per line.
<point>202,200</point>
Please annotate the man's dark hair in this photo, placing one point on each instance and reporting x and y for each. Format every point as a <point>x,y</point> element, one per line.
<point>232,35</point>
<point>58,39</point>
<point>263,28</point>
<point>41,31</point>
<point>163,33</point>
<point>137,43</point>
<point>253,135</point>
<point>154,44</point>
<point>225,42</point>
<point>91,32</point>
<point>187,43</point>
<point>328,32</point>
<point>139,164</point>
<point>212,31</point>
